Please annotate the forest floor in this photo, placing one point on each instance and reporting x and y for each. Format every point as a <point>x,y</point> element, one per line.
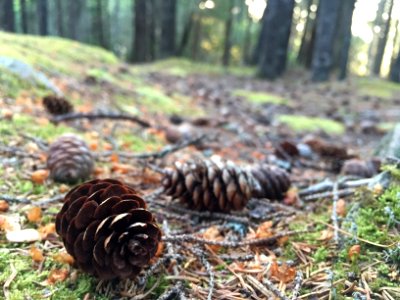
<point>340,244</point>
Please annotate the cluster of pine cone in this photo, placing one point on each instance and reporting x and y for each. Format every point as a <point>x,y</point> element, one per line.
<point>56,105</point>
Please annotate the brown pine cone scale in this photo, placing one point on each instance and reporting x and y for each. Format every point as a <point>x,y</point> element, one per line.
<point>105,226</point>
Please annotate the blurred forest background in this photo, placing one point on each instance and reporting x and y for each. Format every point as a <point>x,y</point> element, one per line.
<point>329,38</point>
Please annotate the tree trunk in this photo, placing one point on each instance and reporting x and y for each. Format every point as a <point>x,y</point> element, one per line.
<point>307,35</point>
<point>346,20</point>
<point>324,39</point>
<point>140,45</point>
<point>98,25</point>
<point>247,41</point>
<point>60,18</point>
<point>186,34</point>
<point>74,14</point>
<point>277,24</point>
<point>152,28</point>
<point>168,28</point>
<point>395,69</point>
<point>42,12</point>
<point>228,43</point>
<point>255,59</point>
<point>23,16</point>
<point>380,50</point>
<point>196,36</point>
<point>7,17</point>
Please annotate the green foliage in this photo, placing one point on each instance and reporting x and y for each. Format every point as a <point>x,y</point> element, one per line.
<point>11,84</point>
<point>311,124</point>
<point>260,98</point>
<point>321,254</point>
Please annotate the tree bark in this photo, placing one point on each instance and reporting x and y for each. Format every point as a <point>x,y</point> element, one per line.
<point>141,32</point>
<point>98,25</point>
<point>394,74</point>
<point>168,28</point>
<point>324,39</point>
<point>74,15</point>
<point>23,16</point>
<point>227,42</point>
<point>277,24</point>
<point>7,17</point>
<point>42,12</point>
<point>380,50</point>
<point>186,34</point>
<point>196,36</point>
<point>346,20</point>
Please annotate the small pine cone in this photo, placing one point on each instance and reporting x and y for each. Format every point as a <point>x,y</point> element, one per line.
<point>272,182</point>
<point>209,185</point>
<point>57,105</point>
<point>105,226</point>
<point>360,168</point>
<point>69,159</point>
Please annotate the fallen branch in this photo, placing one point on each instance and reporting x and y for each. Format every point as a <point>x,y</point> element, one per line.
<point>10,199</point>
<point>334,215</point>
<point>201,255</point>
<point>187,238</point>
<point>93,116</point>
<point>274,289</point>
<point>297,286</point>
<point>157,154</point>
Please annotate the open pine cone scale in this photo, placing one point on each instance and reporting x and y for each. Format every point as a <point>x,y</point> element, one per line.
<point>105,226</point>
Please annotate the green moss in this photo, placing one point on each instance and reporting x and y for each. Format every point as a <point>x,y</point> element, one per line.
<point>140,143</point>
<point>184,67</point>
<point>260,98</point>
<point>321,254</point>
<point>55,55</point>
<point>100,75</point>
<point>161,288</point>
<point>311,124</point>
<point>378,87</point>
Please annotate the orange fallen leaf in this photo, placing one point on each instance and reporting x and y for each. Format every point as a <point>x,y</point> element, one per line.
<point>4,206</point>
<point>107,146</point>
<point>354,252</point>
<point>47,230</point>
<point>341,207</point>
<point>121,168</point>
<point>291,197</point>
<point>36,254</point>
<point>114,158</point>
<point>98,171</point>
<point>57,276</point>
<point>264,230</point>
<point>282,273</point>
<point>40,176</point>
<point>93,145</point>
<point>326,235</point>
<point>63,188</point>
<point>34,215</point>
<point>213,233</point>
<point>64,258</point>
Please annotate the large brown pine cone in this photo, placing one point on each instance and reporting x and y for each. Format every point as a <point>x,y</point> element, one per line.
<point>69,159</point>
<point>272,182</point>
<point>209,185</point>
<point>105,226</point>
<point>57,105</point>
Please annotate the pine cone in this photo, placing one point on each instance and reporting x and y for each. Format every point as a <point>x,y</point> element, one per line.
<point>57,105</point>
<point>357,167</point>
<point>209,185</point>
<point>273,182</point>
<point>69,159</point>
<point>105,226</point>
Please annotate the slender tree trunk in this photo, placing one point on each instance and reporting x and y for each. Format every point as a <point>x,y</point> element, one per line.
<point>73,10</point>
<point>277,24</point>
<point>23,16</point>
<point>227,41</point>
<point>186,34</point>
<point>42,12</point>
<point>98,25</point>
<point>324,40</point>
<point>140,44</point>
<point>394,74</point>
<point>247,41</point>
<point>306,37</point>
<point>168,28</point>
<point>60,18</point>
<point>7,17</point>
<point>380,51</point>
<point>152,28</point>
<point>346,19</point>
<point>196,36</point>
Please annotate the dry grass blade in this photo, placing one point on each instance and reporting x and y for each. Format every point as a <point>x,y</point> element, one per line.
<point>9,280</point>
